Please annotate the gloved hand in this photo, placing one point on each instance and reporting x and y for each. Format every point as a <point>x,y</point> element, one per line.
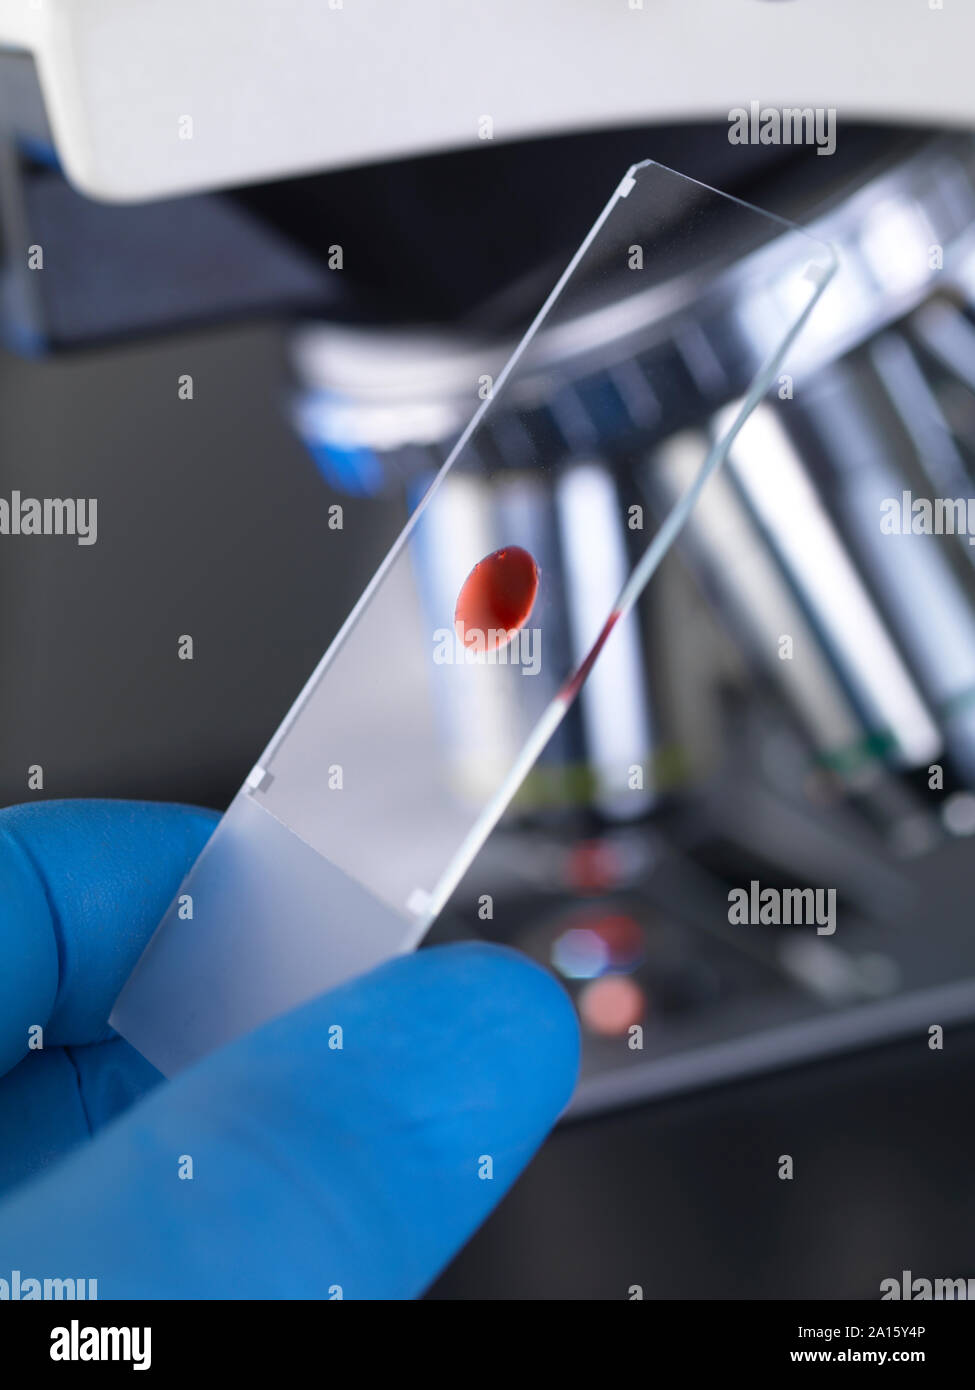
<point>316,1173</point>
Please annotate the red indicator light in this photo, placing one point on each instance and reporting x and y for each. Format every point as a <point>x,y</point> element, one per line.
<point>612,1005</point>
<point>496,599</point>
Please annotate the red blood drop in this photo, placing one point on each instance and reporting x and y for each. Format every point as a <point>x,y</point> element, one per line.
<point>496,598</point>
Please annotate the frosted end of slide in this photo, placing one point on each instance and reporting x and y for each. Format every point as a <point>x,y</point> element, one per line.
<point>261,924</point>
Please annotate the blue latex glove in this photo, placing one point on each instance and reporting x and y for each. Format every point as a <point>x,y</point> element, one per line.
<point>312,1168</point>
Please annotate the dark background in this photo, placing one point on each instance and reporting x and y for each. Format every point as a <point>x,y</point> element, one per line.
<point>684,1199</point>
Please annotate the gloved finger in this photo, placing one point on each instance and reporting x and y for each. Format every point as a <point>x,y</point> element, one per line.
<point>56,1099</point>
<point>83,885</point>
<point>353,1145</point>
